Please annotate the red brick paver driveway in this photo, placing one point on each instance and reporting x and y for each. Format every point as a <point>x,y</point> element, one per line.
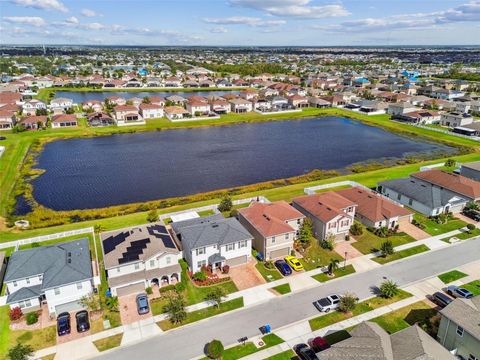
<point>413,231</point>
<point>128,309</point>
<point>346,247</point>
<point>246,276</point>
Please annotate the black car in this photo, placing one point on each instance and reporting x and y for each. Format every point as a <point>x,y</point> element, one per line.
<point>304,352</point>
<point>83,324</point>
<point>472,214</point>
<point>441,299</point>
<point>63,324</point>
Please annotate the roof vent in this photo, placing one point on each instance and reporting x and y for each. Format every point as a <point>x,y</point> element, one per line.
<point>215,225</point>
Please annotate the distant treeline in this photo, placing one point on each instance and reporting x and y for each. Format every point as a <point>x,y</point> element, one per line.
<point>245,69</point>
<point>461,76</point>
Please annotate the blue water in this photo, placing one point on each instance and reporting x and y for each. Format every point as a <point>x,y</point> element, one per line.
<point>124,168</point>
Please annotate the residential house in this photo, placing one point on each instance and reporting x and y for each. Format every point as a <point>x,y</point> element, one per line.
<point>198,108</point>
<point>7,120</point>
<point>400,108</point>
<point>446,94</point>
<point>318,102</point>
<point>274,227</point>
<point>58,275</point>
<point>34,122</point>
<point>459,330</point>
<point>331,214</point>
<point>176,113</point>
<point>455,119</point>
<point>172,81</point>
<point>62,103</point>
<point>471,170</point>
<point>420,117</point>
<point>239,105</point>
<point>127,115</point>
<point>220,106</point>
<point>95,105</point>
<point>139,257</point>
<point>150,111</point>
<point>298,101</point>
<point>30,107</point>
<point>376,210</point>
<point>213,241</point>
<point>117,100</point>
<point>369,341</point>
<point>63,120</point>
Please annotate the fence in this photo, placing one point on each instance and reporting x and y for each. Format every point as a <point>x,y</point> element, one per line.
<point>474,138</point>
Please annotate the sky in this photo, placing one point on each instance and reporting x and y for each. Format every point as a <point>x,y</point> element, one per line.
<point>240,22</point>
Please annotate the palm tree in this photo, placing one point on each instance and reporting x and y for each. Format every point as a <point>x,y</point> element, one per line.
<point>333,265</point>
<point>98,228</point>
<point>389,289</point>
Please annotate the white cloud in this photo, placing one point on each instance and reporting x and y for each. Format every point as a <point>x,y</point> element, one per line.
<point>293,8</point>
<point>88,13</point>
<point>28,20</point>
<point>93,26</point>
<point>218,30</point>
<point>72,20</point>
<point>42,4</point>
<point>244,20</point>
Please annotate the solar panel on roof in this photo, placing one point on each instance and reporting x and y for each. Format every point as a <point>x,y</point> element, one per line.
<point>110,243</point>
<point>167,241</point>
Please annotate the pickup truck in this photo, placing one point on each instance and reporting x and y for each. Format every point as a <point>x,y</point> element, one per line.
<point>328,303</point>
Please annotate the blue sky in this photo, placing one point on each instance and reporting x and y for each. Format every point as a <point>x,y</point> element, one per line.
<point>241,22</point>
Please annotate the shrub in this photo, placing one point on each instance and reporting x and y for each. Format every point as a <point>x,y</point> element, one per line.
<point>167,288</point>
<point>152,216</point>
<point>179,287</point>
<point>450,163</point>
<point>328,243</point>
<point>268,265</point>
<point>20,352</point>
<point>347,303</point>
<point>387,248</point>
<point>149,290</point>
<point>200,276</point>
<point>226,269</point>
<point>470,227</point>
<point>356,229</point>
<point>226,204</point>
<point>234,213</point>
<point>388,289</point>
<point>215,349</point>
<point>32,318</point>
<point>15,313</point>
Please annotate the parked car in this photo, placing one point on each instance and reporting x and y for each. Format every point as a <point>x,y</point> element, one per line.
<point>318,344</point>
<point>83,324</point>
<point>304,352</point>
<point>294,263</point>
<point>142,304</point>
<point>459,292</point>
<point>283,267</point>
<point>63,324</point>
<point>328,303</point>
<point>441,299</point>
<point>472,214</point>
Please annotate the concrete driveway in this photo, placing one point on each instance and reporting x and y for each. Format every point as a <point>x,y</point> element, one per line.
<point>128,309</point>
<point>246,276</point>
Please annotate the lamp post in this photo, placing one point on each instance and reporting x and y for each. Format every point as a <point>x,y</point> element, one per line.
<point>345,260</point>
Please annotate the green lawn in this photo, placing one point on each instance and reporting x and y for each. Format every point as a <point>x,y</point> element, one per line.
<point>323,277</point>
<point>206,213</point>
<point>433,228</point>
<point>361,308</point>
<point>315,256</point>
<point>473,287</point>
<point>108,342</point>
<point>285,355</point>
<point>369,242</point>
<point>249,348</point>
<point>401,254</point>
<point>203,313</point>
<point>283,289</point>
<point>450,276</point>
<point>419,312</point>
<point>59,240</point>
<point>268,274</point>
<point>337,336</point>
<point>464,235</point>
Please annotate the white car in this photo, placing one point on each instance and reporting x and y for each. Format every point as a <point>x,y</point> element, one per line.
<point>328,303</point>
<point>459,292</point>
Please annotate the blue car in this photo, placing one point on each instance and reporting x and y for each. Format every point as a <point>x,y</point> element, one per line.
<point>283,267</point>
<point>63,324</point>
<point>142,304</point>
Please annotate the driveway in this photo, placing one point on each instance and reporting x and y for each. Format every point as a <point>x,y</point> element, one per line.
<point>128,309</point>
<point>346,247</point>
<point>466,219</point>
<point>413,231</point>
<point>246,276</point>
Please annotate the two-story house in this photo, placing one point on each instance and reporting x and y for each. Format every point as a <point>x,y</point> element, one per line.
<point>331,214</point>
<point>274,227</point>
<point>213,240</point>
<point>139,257</point>
<point>459,331</point>
<point>31,106</point>
<point>127,115</point>
<point>150,111</point>
<point>57,275</point>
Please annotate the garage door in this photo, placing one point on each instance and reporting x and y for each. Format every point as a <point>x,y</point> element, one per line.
<point>68,307</point>
<point>237,261</point>
<point>280,253</point>
<point>131,289</point>
<point>404,220</point>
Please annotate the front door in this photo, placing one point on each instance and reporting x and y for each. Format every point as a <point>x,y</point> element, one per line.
<point>218,265</point>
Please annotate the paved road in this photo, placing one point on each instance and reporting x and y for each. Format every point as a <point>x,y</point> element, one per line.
<point>188,341</point>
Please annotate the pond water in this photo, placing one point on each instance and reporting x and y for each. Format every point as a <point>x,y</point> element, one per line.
<point>124,168</point>
<point>81,96</point>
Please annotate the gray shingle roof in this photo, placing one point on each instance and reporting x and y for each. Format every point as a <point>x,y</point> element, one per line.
<point>424,193</point>
<point>466,313</point>
<point>210,230</point>
<point>25,294</point>
<point>60,264</point>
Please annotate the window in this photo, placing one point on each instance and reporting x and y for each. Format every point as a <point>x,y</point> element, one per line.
<point>459,331</point>
<point>298,222</point>
<point>56,291</point>
<point>410,202</point>
<point>242,244</point>
<point>137,266</point>
<point>287,235</point>
<point>472,357</point>
<point>24,304</point>
<point>152,263</point>
<point>230,247</point>
<point>79,286</point>
<point>27,280</point>
<point>40,277</point>
<point>273,239</point>
<point>118,270</point>
<point>200,251</point>
<point>399,196</point>
<point>201,263</point>
<point>15,284</point>
<point>168,259</point>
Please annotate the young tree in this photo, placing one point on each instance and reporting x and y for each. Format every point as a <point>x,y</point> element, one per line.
<point>152,216</point>
<point>215,349</point>
<point>450,163</point>
<point>98,228</point>
<point>387,248</point>
<point>216,296</point>
<point>356,229</point>
<point>305,232</point>
<point>347,303</point>
<point>329,242</point>
<point>225,204</point>
<point>388,289</point>
<point>333,265</point>
<point>112,303</point>
<point>470,228</point>
<point>20,352</point>
<point>175,308</point>
<point>472,205</point>
<point>91,302</point>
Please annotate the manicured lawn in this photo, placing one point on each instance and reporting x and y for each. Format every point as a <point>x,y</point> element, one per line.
<point>108,342</point>
<point>473,287</point>
<point>249,348</point>
<point>203,313</point>
<point>286,355</point>
<point>349,269</point>
<point>450,276</point>
<point>464,235</point>
<point>282,289</point>
<point>433,228</point>
<point>361,308</point>
<point>369,242</point>
<point>401,254</point>
<point>206,213</point>
<point>268,274</point>
<point>4,330</point>
<point>419,312</point>
<point>315,256</point>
